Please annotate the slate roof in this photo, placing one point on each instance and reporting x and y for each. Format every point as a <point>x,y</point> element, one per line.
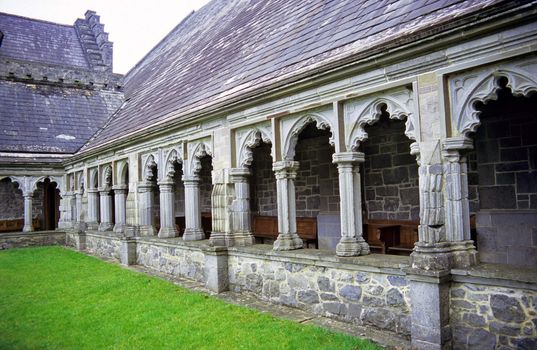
<point>51,99</point>
<point>51,119</point>
<point>230,47</point>
<point>39,41</point>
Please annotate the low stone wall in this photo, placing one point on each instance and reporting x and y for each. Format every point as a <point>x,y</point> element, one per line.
<point>104,245</point>
<point>344,290</point>
<point>488,313</point>
<point>31,239</point>
<point>177,258</point>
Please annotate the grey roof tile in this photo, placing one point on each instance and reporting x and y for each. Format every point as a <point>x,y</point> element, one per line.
<point>237,46</point>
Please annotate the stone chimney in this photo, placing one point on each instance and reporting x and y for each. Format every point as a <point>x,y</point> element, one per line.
<point>94,40</point>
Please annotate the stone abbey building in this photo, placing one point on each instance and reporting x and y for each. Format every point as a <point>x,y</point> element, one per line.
<point>370,161</point>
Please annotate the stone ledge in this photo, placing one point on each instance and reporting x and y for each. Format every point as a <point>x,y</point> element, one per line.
<point>498,275</point>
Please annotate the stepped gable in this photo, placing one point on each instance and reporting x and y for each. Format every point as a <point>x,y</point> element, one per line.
<point>56,84</point>
<point>230,48</point>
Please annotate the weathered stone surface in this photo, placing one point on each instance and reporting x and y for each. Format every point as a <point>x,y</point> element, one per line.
<point>526,343</point>
<point>335,308</point>
<point>380,318</point>
<point>394,297</point>
<point>325,285</point>
<point>506,308</point>
<point>481,339</point>
<point>397,281</point>
<point>351,292</point>
<point>308,297</point>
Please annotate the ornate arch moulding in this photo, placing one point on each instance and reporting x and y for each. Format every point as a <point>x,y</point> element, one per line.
<point>172,156</point>
<point>149,162</point>
<point>367,111</point>
<point>28,184</point>
<point>122,167</point>
<point>292,126</point>
<point>93,178</point>
<point>250,137</point>
<point>481,85</point>
<point>197,150</point>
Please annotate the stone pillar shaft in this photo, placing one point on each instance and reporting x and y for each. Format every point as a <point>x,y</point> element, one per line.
<point>93,209</point>
<point>167,209</point>
<point>193,228</point>
<point>120,200</point>
<point>28,199</point>
<point>145,191</point>
<point>288,238</point>
<point>352,242</point>
<point>242,221</point>
<point>106,210</point>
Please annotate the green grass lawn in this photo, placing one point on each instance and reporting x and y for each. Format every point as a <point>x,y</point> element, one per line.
<point>54,298</point>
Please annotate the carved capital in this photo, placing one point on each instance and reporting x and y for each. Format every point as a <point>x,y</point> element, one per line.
<point>348,158</point>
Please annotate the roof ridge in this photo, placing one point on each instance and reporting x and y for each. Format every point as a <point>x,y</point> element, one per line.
<point>37,20</point>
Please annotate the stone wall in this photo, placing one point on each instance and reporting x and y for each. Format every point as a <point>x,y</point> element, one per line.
<point>31,239</point>
<point>317,186</point>
<point>12,203</point>
<point>103,245</point>
<point>179,192</point>
<point>263,182</point>
<point>390,173</point>
<point>488,317</point>
<point>361,297</point>
<point>206,184</point>
<point>172,259</point>
<point>503,180</point>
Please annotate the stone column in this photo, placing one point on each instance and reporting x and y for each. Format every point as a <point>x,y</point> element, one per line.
<point>120,201</point>
<point>444,231</point>
<point>145,191</point>
<point>241,217</point>
<point>80,225</point>
<point>167,209</point>
<point>106,210</point>
<point>193,228</point>
<point>352,242</point>
<point>66,220</point>
<point>28,199</point>
<point>288,238</point>
<point>93,209</point>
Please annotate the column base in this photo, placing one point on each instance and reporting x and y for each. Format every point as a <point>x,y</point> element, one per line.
<point>119,228</point>
<point>348,246</point>
<point>63,225</point>
<point>288,241</point>
<point>168,232</point>
<point>132,231</point>
<point>106,226</point>
<point>193,234</point>
<point>28,228</point>
<point>444,255</point>
<point>92,226</point>
<point>147,231</point>
<point>221,239</point>
<point>80,227</point>
<point>243,239</point>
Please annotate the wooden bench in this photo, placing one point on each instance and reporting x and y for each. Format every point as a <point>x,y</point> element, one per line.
<point>266,227</point>
<point>391,236</point>
<point>15,225</point>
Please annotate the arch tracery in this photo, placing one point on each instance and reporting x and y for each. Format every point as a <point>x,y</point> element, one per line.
<point>291,139</point>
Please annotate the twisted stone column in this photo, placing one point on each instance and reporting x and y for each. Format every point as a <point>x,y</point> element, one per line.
<point>145,191</point>
<point>106,210</point>
<point>167,209</point>
<point>288,238</point>
<point>120,200</point>
<point>93,209</point>
<point>193,228</point>
<point>28,200</point>
<point>241,217</point>
<point>352,242</point>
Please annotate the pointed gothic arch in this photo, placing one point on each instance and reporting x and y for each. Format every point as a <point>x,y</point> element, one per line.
<point>291,139</point>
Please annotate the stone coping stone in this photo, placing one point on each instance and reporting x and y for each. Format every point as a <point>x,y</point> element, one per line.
<point>28,234</point>
<point>498,274</point>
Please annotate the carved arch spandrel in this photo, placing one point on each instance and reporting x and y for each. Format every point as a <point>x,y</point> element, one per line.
<point>249,138</point>
<point>28,184</point>
<point>106,176</point>
<point>321,118</point>
<point>367,111</point>
<point>466,89</point>
<point>172,156</point>
<point>149,163</point>
<point>196,151</point>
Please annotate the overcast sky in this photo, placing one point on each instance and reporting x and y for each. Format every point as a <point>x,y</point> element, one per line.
<point>135,26</point>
